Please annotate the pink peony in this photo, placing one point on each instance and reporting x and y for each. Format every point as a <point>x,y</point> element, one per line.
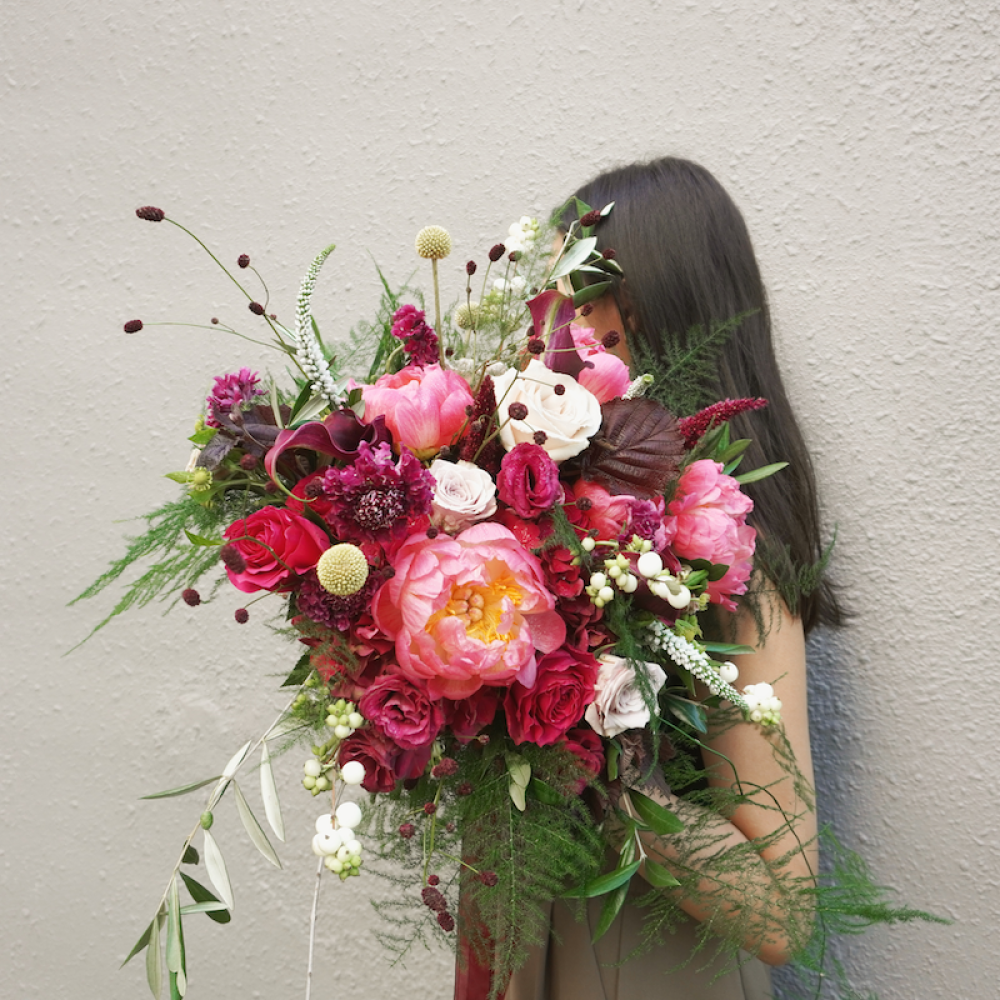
<point>529,480</point>
<point>276,544</point>
<point>423,407</point>
<point>607,376</point>
<point>564,686</point>
<point>467,611</point>
<point>709,514</point>
<point>402,710</point>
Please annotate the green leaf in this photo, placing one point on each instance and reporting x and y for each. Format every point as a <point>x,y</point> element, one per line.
<point>762,473</point>
<point>269,793</point>
<point>614,752</point>
<point>688,711</point>
<point>517,796</point>
<point>311,410</point>
<point>299,673</point>
<point>202,895</point>
<point>139,945</point>
<point>519,769</point>
<point>201,540</point>
<point>574,257</point>
<point>216,866</point>
<point>610,909</point>
<point>658,876</point>
<point>545,793</point>
<point>204,435</point>
<point>217,907</point>
<point>300,401</point>
<point>154,959</point>
<point>183,789</point>
<point>190,856</point>
<point>727,648</point>
<point>590,292</point>
<point>174,946</point>
<point>178,477</point>
<point>660,820</point>
<point>231,768</point>
<point>604,883</point>
<point>734,450</point>
<point>276,405</point>
<point>253,828</point>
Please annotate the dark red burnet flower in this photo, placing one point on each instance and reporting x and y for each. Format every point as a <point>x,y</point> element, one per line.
<point>243,260</point>
<point>434,898</point>
<point>133,326</point>
<point>694,427</point>
<point>241,615</point>
<point>150,214</point>
<point>591,218</point>
<point>191,597</point>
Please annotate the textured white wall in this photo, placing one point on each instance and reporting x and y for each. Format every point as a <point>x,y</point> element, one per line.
<point>860,139</point>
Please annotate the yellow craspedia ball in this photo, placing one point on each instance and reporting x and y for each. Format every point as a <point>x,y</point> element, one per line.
<point>342,570</point>
<point>433,242</point>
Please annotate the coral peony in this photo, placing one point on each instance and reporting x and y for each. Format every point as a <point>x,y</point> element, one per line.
<point>467,611</point>
<point>424,408</point>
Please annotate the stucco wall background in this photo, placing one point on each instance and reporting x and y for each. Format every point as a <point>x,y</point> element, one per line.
<point>860,140</point>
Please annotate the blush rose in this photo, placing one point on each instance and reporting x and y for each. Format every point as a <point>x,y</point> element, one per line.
<point>618,695</point>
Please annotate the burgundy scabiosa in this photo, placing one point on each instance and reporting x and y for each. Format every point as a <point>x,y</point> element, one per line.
<point>419,340</point>
<point>333,610</point>
<point>231,392</point>
<point>378,499</point>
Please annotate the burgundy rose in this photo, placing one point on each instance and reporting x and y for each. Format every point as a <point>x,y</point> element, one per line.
<point>588,748</point>
<point>378,754</point>
<point>470,716</point>
<point>402,709</point>
<point>563,688</point>
<point>528,480</point>
<point>563,577</point>
<point>275,544</point>
<point>410,764</point>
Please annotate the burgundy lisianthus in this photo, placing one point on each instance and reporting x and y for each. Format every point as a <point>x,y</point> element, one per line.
<point>377,498</point>
<point>403,710</point>
<point>564,686</point>
<point>377,753</point>
<point>468,717</point>
<point>276,544</point>
<point>588,748</point>
<point>529,480</point>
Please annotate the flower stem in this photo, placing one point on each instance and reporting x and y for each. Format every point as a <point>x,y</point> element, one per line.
<point>312,928</point>
<point>437,309</point>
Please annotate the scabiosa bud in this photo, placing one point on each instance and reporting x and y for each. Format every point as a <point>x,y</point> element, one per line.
<point>430,808</point>
<point>496,252</point>
<point>242,615</point>
<point>243,260</point>
<point>470,268</point>
<point>590,218</point>
<point>539,437</point>
<point>191,597</point>
<point>433,880</point>
<point>445,768</point>
<point>407,830</point>
<point>133,326</point>
<point>559,389</point>
<point>248,462</point>
<point>536,345</point>
<point>150,214</point>
<point>232,558</point>
<point>609,254</point>
<point>256,308</point>
<point>611,339</point>
<point>446,920</point>
<point>517,411</point>
<point>489,878</point>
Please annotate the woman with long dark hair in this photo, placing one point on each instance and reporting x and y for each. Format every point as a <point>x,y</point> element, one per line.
<point>689,267</point>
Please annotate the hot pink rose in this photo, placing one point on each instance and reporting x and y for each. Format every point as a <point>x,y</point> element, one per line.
<point>402,710</point>
<point>423,407</point>
<point>709,512</point>
<point>467,611</point>
<point>529,480</point>
<point>564,686</point>
<point>608,376</point>
<point>275,544</point>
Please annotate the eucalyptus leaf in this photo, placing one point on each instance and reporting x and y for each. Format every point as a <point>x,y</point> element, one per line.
<point>590,292</point>
<point>269,793</point>
<point>574,257</point>
<point>217,869</point>
<point>253,828</point>
<point>154,959</point>
<point>202,895</point>
<point>762,473</point>
<point>604,883</point>
<point>519,769</point>
<point>201,540</point>
<point>174,947</point>
<point>139,945</point>
<point>658,876</point>
<point>606,211</point>
<point>660,820</point>
<point>183,789</point>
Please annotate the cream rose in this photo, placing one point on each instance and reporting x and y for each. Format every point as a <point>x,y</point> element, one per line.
<point>618,703</point>
<point>569,419</point>
<point>463,494</point>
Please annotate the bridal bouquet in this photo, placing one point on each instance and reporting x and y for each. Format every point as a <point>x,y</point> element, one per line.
<point>492,552</point>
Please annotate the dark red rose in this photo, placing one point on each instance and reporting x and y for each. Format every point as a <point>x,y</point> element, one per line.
<point>563,688</point>
<point>378,755</point>
<point>564,578</point>
<point>470,716</point>
<point>588,748</point>
<point>276,544</point>
<point>318,504</point>
<point>402,709</point>
<point>528,480</point>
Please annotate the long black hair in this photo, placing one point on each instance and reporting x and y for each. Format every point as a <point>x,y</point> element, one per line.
<point>689,262</point>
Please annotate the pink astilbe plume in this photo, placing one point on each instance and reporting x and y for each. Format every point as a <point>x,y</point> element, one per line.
<point>694,427</point>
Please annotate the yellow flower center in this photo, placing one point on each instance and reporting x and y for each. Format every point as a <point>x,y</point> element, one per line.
<point>481,608</point>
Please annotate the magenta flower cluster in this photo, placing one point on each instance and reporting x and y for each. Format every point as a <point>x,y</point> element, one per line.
<point>419,340</point>
<point>229,393</point>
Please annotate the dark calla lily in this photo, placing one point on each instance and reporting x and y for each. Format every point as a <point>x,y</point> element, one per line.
<point>551,314</point>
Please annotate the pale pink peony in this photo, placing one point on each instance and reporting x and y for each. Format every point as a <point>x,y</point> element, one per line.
<point>608,378</point>
<point>423,407</point>
<point>468,611</point>
<point>709,514</point>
